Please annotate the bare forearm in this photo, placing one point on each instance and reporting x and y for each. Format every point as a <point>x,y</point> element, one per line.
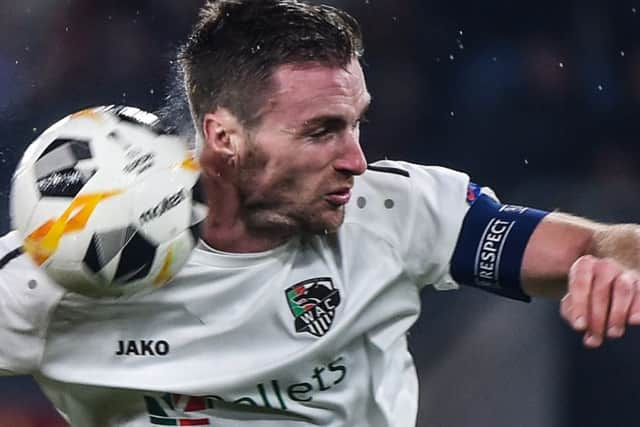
<point>619,242</point>
<point>562,238</point>
<point>553,248</point>
<point>594,267</point>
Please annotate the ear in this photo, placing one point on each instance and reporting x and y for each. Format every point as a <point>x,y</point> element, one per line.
<point>222,133</point>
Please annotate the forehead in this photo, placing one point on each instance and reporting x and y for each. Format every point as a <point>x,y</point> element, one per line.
<point>308,89</point>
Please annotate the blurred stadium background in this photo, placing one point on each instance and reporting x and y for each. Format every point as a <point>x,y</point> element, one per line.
<point>539,100</point>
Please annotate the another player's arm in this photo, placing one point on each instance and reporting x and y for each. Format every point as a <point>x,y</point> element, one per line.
<point>595,267</point>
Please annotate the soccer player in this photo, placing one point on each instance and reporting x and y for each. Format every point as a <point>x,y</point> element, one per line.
<point>294,309</point>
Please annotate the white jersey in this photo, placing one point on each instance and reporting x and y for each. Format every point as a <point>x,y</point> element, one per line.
<point>310,333</point>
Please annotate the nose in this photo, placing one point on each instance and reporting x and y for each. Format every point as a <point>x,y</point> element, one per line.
<point>351,160</point>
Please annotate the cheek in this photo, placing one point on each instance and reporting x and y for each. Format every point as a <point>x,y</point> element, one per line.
<point>294,181</point>
<point>296,185</point>
<point>295,175</point>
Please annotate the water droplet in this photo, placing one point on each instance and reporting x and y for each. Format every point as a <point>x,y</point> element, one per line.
<point>152,91</point>
<point>394,18</point>
<point>452,113</point>
<point>389,204</point>
<point>461,32</point>
<point>526,161</point>
<point>634,10</point>
<point>26,48</point>
<point>494,59</point>
<point>137,13</point>
<point>35,130</point>
<point>66,29</point>
<point>32,284</point>
<point>109,17</point>
<point>561,64</point>
<point>17,62</point>
<point>362,202</point>
<point>622,53</point>
<point>437,59</point>
<point>460,46</point>
<point>600,88</point>
<point>451,57</point>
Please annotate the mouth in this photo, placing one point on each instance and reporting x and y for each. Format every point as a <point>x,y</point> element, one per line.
<point>340,197</point>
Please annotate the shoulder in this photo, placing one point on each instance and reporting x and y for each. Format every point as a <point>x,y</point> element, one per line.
<point>412,171</point>
<point>388,196</point>
<point>9,240</point>
<point>403,181</point>
<point>10,248</point>
<point>401,186</point>
<point>27,300</point>
<point>18,273</point>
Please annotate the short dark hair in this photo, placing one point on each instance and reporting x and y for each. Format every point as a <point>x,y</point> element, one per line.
<point>230,57</point>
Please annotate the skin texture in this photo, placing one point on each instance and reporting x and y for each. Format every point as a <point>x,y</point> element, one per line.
<point>594,266</point>
<point>292,174</point>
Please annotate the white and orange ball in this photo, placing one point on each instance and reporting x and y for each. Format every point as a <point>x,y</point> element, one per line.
<point>104,201</point>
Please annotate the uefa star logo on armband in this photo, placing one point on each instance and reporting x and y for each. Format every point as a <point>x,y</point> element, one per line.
<point>313,304</point>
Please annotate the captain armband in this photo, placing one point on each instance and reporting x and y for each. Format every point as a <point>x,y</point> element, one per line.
<point>491,245</point>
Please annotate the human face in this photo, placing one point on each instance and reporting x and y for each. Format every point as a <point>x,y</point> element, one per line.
<point>298,164</point>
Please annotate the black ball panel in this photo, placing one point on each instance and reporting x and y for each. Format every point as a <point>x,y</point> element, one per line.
<point>55,169</point>
<point>105,246</point>
<point>136,259</point>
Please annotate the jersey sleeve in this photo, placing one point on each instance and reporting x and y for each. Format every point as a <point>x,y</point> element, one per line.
<point>437,205</point>
<point>27,298</point>
<point>444,229</point>
<point>459,233</point>
<point>418,210</point>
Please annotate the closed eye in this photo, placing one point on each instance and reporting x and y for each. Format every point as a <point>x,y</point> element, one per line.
<point>326,127</point>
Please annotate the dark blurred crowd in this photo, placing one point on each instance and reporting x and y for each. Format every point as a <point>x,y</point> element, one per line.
<point>539,100</point>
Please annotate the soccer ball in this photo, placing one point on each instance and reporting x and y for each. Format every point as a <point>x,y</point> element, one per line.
<point>104,201</point>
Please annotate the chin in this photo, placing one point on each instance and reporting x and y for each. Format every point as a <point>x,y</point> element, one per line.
<point>328,222</point>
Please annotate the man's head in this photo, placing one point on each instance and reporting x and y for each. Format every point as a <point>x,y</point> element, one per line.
<point>229,59</point>
<point>277,94</point>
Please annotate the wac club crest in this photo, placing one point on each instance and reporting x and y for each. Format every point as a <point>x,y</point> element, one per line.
<point>313,304</point>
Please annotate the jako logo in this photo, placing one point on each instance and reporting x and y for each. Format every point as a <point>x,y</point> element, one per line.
<point>164,206</point>
<point>142,348</point>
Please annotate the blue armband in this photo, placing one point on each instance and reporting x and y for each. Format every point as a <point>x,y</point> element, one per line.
<point>491,245</point>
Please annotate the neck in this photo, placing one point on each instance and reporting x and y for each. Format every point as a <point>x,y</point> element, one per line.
<point>228,226</point>
<point>232,235</point>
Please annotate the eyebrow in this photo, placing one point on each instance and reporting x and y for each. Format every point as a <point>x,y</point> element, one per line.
<point>333,121</point>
